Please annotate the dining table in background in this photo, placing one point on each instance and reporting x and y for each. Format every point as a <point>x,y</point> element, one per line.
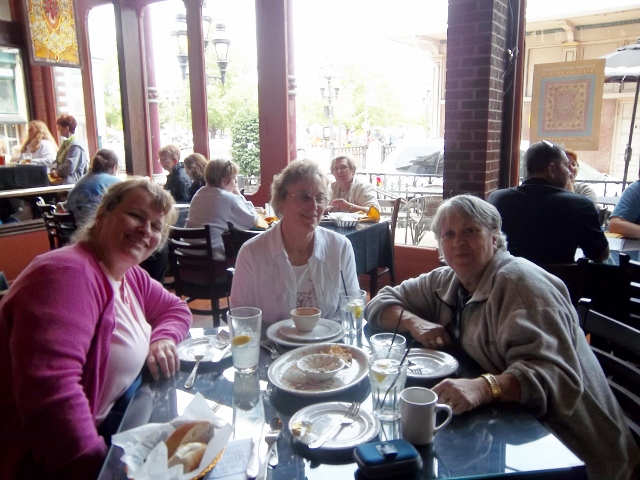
<point>492,441</point>
<point>608,200</point>
<point>23,176</point>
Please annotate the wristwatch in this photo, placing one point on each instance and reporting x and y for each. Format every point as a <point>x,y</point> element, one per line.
<point>496,391</point>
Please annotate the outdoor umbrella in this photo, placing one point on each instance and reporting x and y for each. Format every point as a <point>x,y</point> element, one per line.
<point>623,65</point>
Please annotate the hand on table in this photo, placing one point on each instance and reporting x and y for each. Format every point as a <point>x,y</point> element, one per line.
<point>463,394</point>
<point>163,357</point>
<point>340,205</point>
<point>431,335</point>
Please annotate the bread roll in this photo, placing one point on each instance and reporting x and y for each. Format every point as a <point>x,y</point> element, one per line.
<point>186,433</point>
<point>189,455</point>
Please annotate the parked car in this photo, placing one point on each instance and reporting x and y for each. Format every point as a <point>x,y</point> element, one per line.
<point>416,158</point>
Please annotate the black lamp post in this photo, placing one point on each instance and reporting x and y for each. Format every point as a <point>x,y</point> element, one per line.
<point>329,89</point>
<point>220,42</point>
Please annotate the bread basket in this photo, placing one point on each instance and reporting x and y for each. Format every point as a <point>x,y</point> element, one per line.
<point>346,222</point>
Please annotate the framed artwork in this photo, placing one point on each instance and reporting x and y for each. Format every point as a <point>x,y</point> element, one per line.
<point>53,39</point>
<point>566,103</point>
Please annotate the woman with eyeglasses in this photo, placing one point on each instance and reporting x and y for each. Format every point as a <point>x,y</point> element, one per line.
<point>347,193</point>
<point>220,202</point>
<point>295,264</point>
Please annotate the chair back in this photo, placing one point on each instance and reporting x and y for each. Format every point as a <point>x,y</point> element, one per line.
<point>623,374</point>
<point>65,224</point>
<point>421,211</point>
<point>233,239</point>
<point>390,208</point>
<point>44,207</point>
<point>572,274</point>
<point>197,275</point>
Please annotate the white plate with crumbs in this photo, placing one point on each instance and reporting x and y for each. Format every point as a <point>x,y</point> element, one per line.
<point>285,374</point>
<point>189,348</point>
<point>311,422</point>
<point>429,364</point>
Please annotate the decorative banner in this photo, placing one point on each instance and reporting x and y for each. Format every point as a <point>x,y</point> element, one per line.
<point>52,33</point>
<point>567,103</point>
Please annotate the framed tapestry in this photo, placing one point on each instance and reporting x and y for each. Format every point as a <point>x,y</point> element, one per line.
<point>567,102</point>
<point>53,39</point>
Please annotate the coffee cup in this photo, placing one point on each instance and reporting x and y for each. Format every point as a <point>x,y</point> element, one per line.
<point>418,408</point>
<point>305,318</point>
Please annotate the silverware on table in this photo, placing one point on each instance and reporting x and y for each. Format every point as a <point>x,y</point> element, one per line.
<point>271,438</point>
<point>276,426</point>
<point>348,419</point>
<point>192,376</point>
<point>275,353</point>
<point>254,461</point>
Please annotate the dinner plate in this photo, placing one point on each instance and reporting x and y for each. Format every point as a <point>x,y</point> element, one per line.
<point>318,418</point>
<point>432,363</point>
<point>273,334</point>
<point>189,348</point>
<point>285,374</point>
<point>323,330</point>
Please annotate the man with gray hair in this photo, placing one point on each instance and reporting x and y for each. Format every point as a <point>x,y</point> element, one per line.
<point>544,222</point>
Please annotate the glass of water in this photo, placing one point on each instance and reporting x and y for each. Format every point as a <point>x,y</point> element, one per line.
<point>387,376</point>
<point>382,343</point>
<point>352,303</point>
<point>244,326</point>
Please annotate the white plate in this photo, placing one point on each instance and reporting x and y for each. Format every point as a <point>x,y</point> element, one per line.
<point>189,348</point>
<point>274,334</point>
<point>321,416</point>
<point>285,374</point>
<point>323,330</point>
<point>433,363</point>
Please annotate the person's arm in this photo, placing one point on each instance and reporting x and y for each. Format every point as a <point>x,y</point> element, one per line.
<point>49,359</point>
<point>429,334</point>
<point>70,162</point>
<point>624,227</point>
<point>465,394</point>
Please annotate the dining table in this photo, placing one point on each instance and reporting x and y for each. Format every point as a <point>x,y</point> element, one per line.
<point>23,176</point>
<point>493,441</point>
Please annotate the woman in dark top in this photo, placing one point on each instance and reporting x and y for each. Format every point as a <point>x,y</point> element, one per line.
<point>194,165</point>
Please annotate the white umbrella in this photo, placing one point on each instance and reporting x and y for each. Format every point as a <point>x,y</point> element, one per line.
<point>623,65</point>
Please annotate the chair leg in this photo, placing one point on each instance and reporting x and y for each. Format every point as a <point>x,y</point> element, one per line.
<point>215,312</point>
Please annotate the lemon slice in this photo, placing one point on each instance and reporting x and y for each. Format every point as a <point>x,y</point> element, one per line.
<point>379,376</point>
<point>240,340</point>
<point>357,311</point>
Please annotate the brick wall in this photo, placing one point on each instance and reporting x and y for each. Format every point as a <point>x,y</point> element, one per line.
<point>475,60</point>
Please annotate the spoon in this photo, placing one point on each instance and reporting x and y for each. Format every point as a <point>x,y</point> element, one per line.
<point>192,375</point>
<point>276,427</point>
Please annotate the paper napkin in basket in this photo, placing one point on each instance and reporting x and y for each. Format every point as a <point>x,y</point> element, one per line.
<point>145,453</point>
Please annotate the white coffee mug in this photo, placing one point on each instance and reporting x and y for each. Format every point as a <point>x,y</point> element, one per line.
<point>418,410</point>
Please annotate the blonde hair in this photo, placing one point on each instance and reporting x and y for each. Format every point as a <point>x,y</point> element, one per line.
<point>42,133</point>
<point>170,151</point>
<point>218,171</point>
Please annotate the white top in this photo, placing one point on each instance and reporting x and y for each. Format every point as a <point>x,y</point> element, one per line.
<point>129,346</point>
<point>264,277</point>
<point>215,206</point>
<point>45,154</point>
<point>359,193</point>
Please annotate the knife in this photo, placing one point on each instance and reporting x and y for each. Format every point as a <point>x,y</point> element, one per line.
<point>254,461</point>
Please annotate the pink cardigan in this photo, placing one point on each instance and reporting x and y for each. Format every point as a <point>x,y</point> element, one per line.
<point>55,328</point>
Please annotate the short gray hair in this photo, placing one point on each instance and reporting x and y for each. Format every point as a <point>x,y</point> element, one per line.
<point>474,209</point>
<point>350,162</point>
<point>298,171</point>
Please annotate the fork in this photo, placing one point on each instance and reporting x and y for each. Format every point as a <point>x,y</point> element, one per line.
<point>215,407</point>
<point>415,370</point>
<point>348,419</point>
<point>272,349</point>
<point>271,438</point>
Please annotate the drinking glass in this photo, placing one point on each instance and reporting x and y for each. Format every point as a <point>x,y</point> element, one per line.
<point>381,343</point>
<point>387,376</point>
<point>244,326</point>
<point>352,304</point>
<point>26,157</point>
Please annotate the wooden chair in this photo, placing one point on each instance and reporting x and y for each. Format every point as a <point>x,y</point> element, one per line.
<point>65,225</point>
<point>233,239</point>
<point>572,274</point>
<point>52,231</point>
<point>389,208</point>
<point>622,375</point>
<point>44,207</point>
<point>196,274</point>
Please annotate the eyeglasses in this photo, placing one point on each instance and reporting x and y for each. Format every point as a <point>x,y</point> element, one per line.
<point>304,197</point>
<point>465,234</point>
<point>340,168</point>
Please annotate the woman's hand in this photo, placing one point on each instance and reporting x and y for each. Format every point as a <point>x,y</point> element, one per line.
<point>340,205</point>
<point>463,394</point>
<point>163,357</point>
<point>431,335</point>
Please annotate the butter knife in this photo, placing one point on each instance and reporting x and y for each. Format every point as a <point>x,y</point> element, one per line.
<point>254,461</point>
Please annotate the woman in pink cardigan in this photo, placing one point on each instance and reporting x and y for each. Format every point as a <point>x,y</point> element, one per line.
<point>76,328</point>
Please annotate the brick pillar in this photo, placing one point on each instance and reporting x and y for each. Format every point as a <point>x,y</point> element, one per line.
<point>473,110</point>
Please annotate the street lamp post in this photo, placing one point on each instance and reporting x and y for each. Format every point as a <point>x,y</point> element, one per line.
<point>220,43</point>
<point>329,89</point>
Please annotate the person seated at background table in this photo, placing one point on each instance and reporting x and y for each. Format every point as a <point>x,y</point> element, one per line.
<point>221,202</point>
<point>625,219</point>
<point>545,223</point>
<point>178,183</point>
<point>517,322</point>
<point>295,263</point>
<point>347,193</point>
<point>194,165</point>
<point>73,158</point>
<point>573,186</point>
<point>40,144</point>
<point>76,328</point>
<point>86,194</point>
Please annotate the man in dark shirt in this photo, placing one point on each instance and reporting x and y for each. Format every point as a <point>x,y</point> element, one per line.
<point>178,182</point>
<point>543,221</point>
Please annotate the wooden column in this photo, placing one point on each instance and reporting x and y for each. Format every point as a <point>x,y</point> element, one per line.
<point>197,77</point>
<point>273,92</point>
<point>133,88</point>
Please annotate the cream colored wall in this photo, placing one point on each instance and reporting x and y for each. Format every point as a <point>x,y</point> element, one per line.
<point>5,11</point>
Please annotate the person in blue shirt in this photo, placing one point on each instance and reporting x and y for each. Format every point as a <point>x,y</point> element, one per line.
<point>625,218</point>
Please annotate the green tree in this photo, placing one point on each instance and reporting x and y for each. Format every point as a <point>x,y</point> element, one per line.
<point>245,142</point>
